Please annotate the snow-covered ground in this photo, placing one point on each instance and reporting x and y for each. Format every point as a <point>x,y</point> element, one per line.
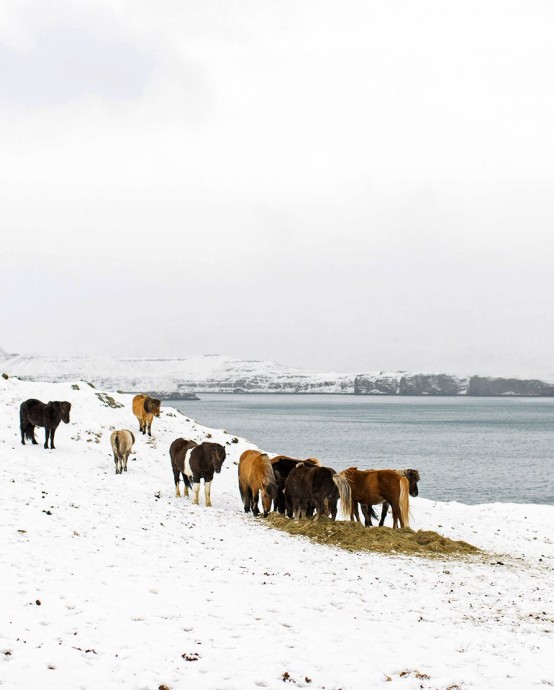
<point>109,581</point>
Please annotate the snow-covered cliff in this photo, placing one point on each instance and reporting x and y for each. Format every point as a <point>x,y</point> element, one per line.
<point>177,376</point>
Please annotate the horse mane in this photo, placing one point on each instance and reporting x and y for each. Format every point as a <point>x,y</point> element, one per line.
<point>313,462</point>
<point>410,474</point>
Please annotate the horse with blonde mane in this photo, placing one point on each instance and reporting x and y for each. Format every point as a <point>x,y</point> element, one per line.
<point>145,409</point>
<point>370,487</point>
<point>255,477</point>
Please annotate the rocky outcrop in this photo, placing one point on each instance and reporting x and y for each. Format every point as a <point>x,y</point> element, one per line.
<point>488,386</point>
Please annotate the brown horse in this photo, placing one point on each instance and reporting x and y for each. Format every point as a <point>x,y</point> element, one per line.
<point>255,477</point>
<point>145,409</point>
<point>318,486</point>
<point>282,467</point>
<point>370,487</point>
<point>412,476</point>
<point>122,445</point>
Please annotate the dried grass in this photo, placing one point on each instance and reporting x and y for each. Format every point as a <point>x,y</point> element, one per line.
<point>352,536</point>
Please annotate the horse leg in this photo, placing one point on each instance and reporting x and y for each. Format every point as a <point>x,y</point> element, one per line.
<point>125,458</point>
<point>176,478</point>
<point>366,512</point>
<point>255,499</point>
<point>396,516</point>
<point>384,511</point>
<point>150,426</point>
<point>207,490</point>
<point>195,492</point>
<point>142,423</point>
<point>186,482</point>
<point>52,432</point>
<point>247,499</point>
<point>46,436</point>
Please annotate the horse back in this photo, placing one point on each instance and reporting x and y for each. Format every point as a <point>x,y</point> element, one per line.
<point>138,404</point>
<point>178,450</point>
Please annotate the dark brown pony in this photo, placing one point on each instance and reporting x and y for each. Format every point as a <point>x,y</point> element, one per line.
<point>34,413</point>
<point>195,462</point>
<point>412,476</point>
<point>370,487</point>
<point>256,476</point>
<point>282,466</point>
<point>321,486</point>
<point>145,409</point>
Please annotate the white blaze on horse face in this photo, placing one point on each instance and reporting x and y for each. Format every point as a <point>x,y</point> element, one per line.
<point>195,492</point>
<point>207,489</point>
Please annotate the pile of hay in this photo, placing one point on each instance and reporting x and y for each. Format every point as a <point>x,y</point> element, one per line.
<point>352,536</point>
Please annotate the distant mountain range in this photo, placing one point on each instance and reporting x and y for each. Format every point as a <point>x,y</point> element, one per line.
<point>180,376</point>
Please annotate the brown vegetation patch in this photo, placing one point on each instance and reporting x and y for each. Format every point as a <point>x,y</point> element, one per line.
<point>352,536</point>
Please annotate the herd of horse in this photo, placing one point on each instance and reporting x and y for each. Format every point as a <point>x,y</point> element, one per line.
<point>297,488</point>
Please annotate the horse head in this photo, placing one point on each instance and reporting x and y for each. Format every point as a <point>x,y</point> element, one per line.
<point>413,477</point>
<point>65,409</point>
<point>217,452</point>
<point>152,406</point>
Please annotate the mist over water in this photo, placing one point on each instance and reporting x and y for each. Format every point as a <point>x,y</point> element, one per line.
<point>468,450</point>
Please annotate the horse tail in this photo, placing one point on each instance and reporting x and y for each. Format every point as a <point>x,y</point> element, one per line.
<point>345,494</point>
<point>404,501</point>
<point>29,431</point>
<point>116,443</point>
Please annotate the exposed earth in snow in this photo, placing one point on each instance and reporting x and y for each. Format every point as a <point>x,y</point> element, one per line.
<point>110,581</point>
<point>174,377</point>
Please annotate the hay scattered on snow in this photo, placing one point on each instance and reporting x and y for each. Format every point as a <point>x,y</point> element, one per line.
<point>352,536</point>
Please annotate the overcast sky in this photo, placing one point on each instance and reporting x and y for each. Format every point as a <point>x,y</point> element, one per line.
<point>350,185</point>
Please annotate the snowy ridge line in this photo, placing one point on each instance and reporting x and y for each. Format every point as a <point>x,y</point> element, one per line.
<point>111,581</point>
<point>220,374</point>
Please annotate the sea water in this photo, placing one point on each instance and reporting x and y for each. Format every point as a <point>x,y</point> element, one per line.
<point>472,450</point>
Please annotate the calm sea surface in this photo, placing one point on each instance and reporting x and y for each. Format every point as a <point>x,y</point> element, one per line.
<point>472,450</point>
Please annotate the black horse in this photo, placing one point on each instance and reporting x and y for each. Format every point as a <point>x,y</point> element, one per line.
<point>34,413</point>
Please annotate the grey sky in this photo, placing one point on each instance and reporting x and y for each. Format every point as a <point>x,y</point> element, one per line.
<point>349,186</point>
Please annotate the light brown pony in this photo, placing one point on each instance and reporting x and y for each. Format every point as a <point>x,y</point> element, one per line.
<point>255,476</point>
<point>376,486</point>
<point>145,409</point>
<point>122,445</point>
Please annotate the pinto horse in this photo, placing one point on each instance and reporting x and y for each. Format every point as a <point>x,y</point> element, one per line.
<point>282,466</point>
<point>34,413</point>
<point>196,461</point>
<point>320,486</point>
<point>145,409</point>
<point>256,476</point>
<point>370,487</point>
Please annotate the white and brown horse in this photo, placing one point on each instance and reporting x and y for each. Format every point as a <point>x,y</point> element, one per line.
<point>195,462</point>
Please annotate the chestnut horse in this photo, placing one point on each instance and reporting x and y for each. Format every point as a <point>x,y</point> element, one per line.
<point>256,476</point>
<point>412,476</point>
<point>370,487</point>
<point>282,466</point>
<point>320,486</point>
<point>145,409</point>
<point>34,413</point>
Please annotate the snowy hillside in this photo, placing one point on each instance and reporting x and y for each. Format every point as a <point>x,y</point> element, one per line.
<point>175,377</point>
<point>109,581</point>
